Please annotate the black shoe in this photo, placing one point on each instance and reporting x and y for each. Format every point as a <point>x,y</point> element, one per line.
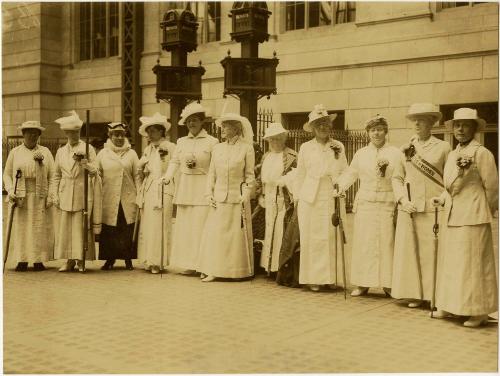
<point>128,265</point>
<point>108,265</point>
<point>22,267</point>
<point>38,267</point>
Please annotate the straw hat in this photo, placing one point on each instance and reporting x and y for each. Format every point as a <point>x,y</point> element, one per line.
<point>274,129</point>
<point>31,124</point>
<point>467,114</point>
<point>376,120</point>
<point>71,122</point>
<point>191,109</point>
<point>246,127</point>
<point>423,109</point>
<point>156,119</point>
<point>319,112</point>
<point>117,126</point>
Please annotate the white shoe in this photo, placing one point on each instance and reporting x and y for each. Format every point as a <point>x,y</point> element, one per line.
<point>208,278</point>
<point>359,291</point>
<point>476,321</point>
<point>203,275</point>
<point>68,267</point>
<point>314,288</point>
<point>415,304</point>
<point>440,314</point>
<point>155,269</point>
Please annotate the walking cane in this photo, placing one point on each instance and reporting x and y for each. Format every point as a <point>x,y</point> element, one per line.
<point>244,225</point>
<point>337,223</point>
<point>86,194</point>
<point>417,253</point>
<point>435,229</point>
<point>271,247</point>
<point>135,234</point>
<point>10,220</point>
<point>162,230</point>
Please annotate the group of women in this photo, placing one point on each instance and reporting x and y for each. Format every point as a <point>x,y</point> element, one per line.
<point>393,244</point>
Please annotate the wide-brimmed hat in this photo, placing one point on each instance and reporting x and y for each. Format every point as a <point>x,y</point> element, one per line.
<point>465,113</point>
<point>318,112</point>
<point>423,109</point>
<point>117,126</point>
<point>31,124</point>
<point>246,127</point>
<point>274,129</point>
<point>191,109</point>
<point>376,120</point>
<point>71,122</point>
<point>156,119</point>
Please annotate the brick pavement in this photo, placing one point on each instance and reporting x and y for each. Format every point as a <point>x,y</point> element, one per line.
<point>134,322</point>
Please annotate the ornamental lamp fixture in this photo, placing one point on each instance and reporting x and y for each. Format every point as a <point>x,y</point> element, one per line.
<point>249,21</point>
<point>179,30</point>
<point>178,82</point>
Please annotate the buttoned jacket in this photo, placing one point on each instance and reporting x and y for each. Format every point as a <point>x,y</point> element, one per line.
<point>231,165</point>
<point>120,182</point>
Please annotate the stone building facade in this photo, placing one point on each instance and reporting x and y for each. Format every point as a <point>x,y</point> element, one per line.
<point>358,59</point>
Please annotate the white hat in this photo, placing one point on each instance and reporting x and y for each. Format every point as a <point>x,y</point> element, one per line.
<point>247,131</point>
<point>156,119</point>
<point>467,114</point>
<point>274,129</point>
<point>31,124</point>
<point>71,122</point>
<point>423,109</point>
<point>376,120</point>
<point>191,109</point>
<point>318,112</point>
<point>117,126</point>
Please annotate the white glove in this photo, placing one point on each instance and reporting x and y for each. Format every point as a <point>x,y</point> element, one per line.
<point>408,206</point>
<point>12,197</point>
<point>245,196</point>
<point>281,182</point>
<point>211,201</point>
<point>437,201</point>
<point>337,193</point>
<point>262,201</point>
<point>48,203</point>
<point>165,180</point>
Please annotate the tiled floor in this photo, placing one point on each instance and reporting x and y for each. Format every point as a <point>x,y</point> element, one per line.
<point>134,322</point>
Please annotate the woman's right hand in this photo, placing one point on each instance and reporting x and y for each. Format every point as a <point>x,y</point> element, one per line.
<point>12,197</point>
<point>408,206</point>
<point>437,201</point>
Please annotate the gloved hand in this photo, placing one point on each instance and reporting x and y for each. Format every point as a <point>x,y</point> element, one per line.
<point>48,203</point>
<point>245,196</point>
<point>165,180</point>
<point>437,201</point>
<point>337,193</point>
<point>281,182</point>
<point>408,206</point>
<point>211,201</point>
<point>262,201</point>
<point>12,197</point>
<point>91,169</point>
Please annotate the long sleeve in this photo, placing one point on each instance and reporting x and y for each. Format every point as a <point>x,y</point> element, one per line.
<point>301,171</point>
<point>174,163</point>
<point>211,178</point>
<point>50,174</point>
<point>489,176</point>
<point>136,173</point>
<point>57,175</point>
<point>8,174</point>
<point>350,174</point>
<point>249,168</point>
<point>398,180</point>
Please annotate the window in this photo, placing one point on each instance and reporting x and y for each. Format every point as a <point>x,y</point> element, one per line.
<point>487,111</point>
<point>208,15</point>
<point>296,120</point>
<point>319,13</point>
<point>454,4</point>
<point>98,30</point>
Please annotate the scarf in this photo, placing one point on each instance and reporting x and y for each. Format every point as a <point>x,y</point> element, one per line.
<point>120,150</point>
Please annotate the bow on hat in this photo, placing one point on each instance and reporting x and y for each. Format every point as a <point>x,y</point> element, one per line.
<point>71,122</point>
<point>318,112</point>
<point>156,119</point>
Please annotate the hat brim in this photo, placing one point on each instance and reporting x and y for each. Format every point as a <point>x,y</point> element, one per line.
<point>143,127</point>
<point>268,136</point>
<point>245,125</point>
<point>481,123</point>
<point>182,120</point>
<point>41,129</point>
<point>435,115</point>
<point>308,126</point>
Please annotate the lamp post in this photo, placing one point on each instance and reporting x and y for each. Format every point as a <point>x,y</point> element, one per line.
<point>178,83</point>
<point>249,77</point>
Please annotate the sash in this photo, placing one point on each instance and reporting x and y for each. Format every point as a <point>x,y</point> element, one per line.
<point>427,169</point>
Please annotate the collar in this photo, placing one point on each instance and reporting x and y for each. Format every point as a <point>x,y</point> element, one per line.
<point>80,142</point>
<point>430,141</point>
<point>472,143</point>
<point>117,149</point>
<point>370,145</point>
<point>202,134</point>
<point>34,149</point>
<point>233,141</point>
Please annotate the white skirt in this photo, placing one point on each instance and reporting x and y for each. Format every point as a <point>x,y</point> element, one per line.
<point>69,237</point>
<point>405,278</point>
<point>187,233</point>
<point>274,233</point>
<point>151,233</point>
<point>223,252</point>
<point>466,283</point>
<point>318,237</point>
<point>373,244</point>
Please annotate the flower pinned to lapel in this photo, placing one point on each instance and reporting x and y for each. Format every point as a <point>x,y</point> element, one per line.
<point>463,163</point>
<point>335,147</point>
<point>191,162</point>
<point>163,149</point>
<point>409,151</point>
<point>38,156</point>
<point>382,164</point>
<point>78,156</point>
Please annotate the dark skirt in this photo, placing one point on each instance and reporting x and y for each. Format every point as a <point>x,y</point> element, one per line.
<point>289,264</point>
<point>116,242</point>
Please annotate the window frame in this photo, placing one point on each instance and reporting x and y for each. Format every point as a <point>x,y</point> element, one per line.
<point>203,31</point>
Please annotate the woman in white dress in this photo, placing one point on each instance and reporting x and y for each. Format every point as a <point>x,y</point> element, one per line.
<point>70,163</point>
<point>320,163</point>
<point>226,251</point>
<point>32,236</point>
<point>189,165</point>
<point>276,163</point>
<point>118,166</point>
<point>466,276</point>
<point>156,209</point>
<point>423,171</point>
<point>373,237</point>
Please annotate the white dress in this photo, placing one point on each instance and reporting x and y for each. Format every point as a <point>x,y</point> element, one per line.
<point>318,168</point>
<point>373,237</point>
